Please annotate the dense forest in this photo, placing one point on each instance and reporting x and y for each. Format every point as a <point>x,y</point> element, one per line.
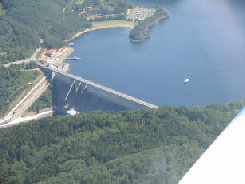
<point>144,146</point>
<point>13,83</point>
<point>104,7</point>
<point>26,21</point>
<point>139,32</point>
<point>24,66</point>
<point>2,12</point>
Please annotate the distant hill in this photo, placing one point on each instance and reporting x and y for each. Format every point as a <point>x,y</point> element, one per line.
<point>144,146</point>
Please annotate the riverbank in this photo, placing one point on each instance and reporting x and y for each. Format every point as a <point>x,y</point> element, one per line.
<point>27,60</point>
<point>105,25</point>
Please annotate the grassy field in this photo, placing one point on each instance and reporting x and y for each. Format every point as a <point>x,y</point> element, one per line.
<point>1,10</point>
<point>113,23</point>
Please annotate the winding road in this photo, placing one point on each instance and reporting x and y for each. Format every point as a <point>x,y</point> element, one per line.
<point>32,58</point>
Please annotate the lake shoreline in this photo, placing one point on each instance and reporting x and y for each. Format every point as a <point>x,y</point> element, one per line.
<point>97,26</point>
<point>112,24</point>
<point>100,25</point>
<point>149,26</point>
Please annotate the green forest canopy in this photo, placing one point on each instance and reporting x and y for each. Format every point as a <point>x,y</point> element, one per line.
<point>105,7</point>
<point>139,32</point>
<point>12,84</point>
<point>1,10</point>
<point>144,146</point>
<point>26,21</point>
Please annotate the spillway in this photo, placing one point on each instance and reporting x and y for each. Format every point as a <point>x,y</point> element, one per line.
<point>72,92</point>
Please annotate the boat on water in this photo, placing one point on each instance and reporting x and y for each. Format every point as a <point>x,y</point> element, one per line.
<point>77,58</point>
<point>186,81</point>
<point>71,44</point>
<point>73,58</point>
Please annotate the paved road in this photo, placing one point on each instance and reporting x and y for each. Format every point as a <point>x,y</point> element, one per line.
<point>111,91</point>
<point>27,101</point>
<point>104,88</point>
<point>27,118</point>
<point>32,58</point>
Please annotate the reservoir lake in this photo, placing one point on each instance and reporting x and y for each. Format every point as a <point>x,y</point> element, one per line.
<point>203,40</point>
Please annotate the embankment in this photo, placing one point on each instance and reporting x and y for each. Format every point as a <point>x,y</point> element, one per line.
<point>84,97</point>
<point>71,92</point>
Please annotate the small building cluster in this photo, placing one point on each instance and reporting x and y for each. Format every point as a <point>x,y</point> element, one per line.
<point>52,57</point>
<point>139,14</point>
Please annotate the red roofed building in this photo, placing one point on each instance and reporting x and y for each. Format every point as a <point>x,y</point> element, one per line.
<point>50,52</point>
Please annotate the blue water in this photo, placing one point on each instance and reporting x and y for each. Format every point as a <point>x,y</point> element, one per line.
<point>203,40</point>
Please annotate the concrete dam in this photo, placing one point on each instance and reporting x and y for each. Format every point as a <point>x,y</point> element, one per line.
<point>72,92</point>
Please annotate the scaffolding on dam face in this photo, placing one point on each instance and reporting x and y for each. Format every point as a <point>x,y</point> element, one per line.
<point>101,87</point>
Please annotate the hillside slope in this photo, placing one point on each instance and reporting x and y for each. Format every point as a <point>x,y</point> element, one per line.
<point>145,146</point>
<point>26,21</point>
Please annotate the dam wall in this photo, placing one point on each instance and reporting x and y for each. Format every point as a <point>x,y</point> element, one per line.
<point>72,92</point>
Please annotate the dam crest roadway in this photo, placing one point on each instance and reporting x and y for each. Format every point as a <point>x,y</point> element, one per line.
<point>72,94</point>
<point>78,82</point>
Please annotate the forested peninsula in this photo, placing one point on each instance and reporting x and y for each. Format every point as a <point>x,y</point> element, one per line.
<point>143,146</point>
<point>139,32</point>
